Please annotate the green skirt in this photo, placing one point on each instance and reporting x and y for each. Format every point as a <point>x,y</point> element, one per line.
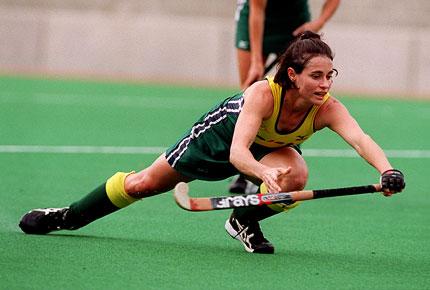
<point>203,152</point>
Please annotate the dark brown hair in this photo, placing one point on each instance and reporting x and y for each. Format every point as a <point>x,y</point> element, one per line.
<point>298,53</point>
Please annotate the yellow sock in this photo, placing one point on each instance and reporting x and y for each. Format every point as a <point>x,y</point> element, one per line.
<point>279,207</point>
<point>116,192</point>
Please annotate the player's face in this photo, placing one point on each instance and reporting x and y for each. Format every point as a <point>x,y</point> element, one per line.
<point>316,79</point>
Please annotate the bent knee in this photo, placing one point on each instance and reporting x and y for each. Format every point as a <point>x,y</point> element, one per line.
<point>295,180</point>
<point>140,185</point>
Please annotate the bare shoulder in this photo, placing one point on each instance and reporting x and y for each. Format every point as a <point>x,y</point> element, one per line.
<point>258,97</point>
<point>331,111</point>
<point>260,88</point>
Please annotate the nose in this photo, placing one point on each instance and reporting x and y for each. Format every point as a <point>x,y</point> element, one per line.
<point>326,83</point>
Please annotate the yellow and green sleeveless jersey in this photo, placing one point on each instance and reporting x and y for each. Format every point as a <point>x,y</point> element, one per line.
<point>268,135</point>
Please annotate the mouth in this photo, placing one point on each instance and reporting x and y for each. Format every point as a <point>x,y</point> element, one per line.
<point>320,95</point>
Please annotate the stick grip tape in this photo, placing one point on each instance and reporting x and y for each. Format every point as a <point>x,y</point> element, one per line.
<point>321,193</point>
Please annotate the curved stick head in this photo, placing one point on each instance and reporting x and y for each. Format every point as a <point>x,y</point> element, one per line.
<point>181,195</point>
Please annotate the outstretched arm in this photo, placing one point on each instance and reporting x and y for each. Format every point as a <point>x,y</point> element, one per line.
<point>335,116</point>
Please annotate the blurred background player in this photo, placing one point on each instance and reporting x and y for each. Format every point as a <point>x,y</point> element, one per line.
<point>254,132</point>
<point>264,28</point>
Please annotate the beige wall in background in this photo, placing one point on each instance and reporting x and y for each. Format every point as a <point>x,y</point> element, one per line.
<point>382,47</point>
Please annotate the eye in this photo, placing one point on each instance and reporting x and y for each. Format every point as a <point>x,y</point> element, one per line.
<point>316,76</point>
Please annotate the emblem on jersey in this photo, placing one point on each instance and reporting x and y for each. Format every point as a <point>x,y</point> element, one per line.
<point>302,138</point>
<point>271,140</point>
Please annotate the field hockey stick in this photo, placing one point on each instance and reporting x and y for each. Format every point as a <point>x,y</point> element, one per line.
<point>269,67</point>
<point>227,202</point>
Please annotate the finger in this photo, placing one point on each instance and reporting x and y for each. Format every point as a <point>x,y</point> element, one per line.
<point>299,30</point>
<point>272,186</point>
<point>275,189</point>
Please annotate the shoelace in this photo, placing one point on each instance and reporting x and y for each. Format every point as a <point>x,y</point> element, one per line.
<point>241,231</point>
<point>257,233</point>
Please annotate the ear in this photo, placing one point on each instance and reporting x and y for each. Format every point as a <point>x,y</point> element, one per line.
<point>292,74</point>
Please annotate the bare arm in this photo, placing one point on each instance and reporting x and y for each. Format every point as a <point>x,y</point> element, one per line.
<point>336,117</point>
<point>327,11</point>
<point>258,106</point>
<point>257,14</point>
<point>254,110</point>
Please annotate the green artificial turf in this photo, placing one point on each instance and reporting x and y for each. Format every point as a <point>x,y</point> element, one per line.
<point>355,242</point>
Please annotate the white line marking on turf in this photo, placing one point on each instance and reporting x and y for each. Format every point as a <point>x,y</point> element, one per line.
<point>80,149</point>
<point>348,153</point>
<point>337,153</point>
